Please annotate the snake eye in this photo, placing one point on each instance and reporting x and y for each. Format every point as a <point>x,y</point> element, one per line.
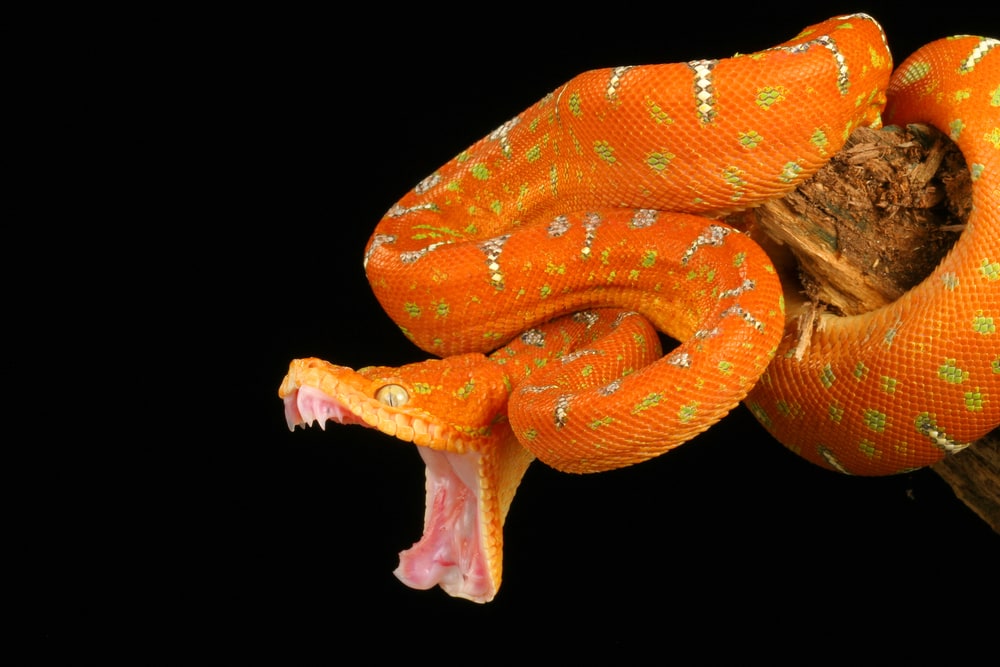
<point>392,395</point>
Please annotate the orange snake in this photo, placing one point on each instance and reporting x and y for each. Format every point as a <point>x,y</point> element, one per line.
<point>543,242</point>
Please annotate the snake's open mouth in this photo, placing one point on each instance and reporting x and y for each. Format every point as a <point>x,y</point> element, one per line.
<point>451,553</point>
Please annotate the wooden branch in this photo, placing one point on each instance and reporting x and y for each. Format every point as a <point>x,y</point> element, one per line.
<point>974,476</point>
<point>869,226</point>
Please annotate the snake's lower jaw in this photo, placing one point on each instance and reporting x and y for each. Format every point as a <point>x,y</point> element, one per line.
<point>452,553</point>
<point>461,547</point>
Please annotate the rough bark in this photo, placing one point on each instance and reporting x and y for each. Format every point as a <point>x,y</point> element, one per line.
<point>869,226</point>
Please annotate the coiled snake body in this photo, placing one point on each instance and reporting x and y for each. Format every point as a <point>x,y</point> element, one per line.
<point>542,242</point>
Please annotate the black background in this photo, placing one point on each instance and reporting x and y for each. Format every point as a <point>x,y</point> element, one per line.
<point>230,538</point>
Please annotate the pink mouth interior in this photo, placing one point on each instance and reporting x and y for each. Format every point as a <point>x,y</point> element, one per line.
<point>450,553</point>
<point>307,404</point>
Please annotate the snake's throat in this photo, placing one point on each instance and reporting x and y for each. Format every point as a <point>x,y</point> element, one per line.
<point>451,553</point>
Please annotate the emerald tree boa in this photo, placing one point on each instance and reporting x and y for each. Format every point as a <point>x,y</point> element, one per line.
<point>539,264</point>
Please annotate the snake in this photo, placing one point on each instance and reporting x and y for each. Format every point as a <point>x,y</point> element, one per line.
<point>540,266</point>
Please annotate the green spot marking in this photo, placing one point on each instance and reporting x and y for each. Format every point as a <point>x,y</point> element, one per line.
<point>533,153</point>
<point>860,371</point>
<point>648,259</point>
<point>790,172</point>
<point>974,400</point>
<point>650,401</point>
<point>888,384</point>
<point>983,325</point>
<point>481,172</point>
<point>955,128</point>
<point>750,139</point>
<point>819,139</point>
<point>739,259</point>
<point>574,105</point>
<point>868,448</point>
<point>687,412</point>
<point>761,414</point>
<point>993,136</point>
<point>659,162</point>
<point>769,96</point>
<point>835,414</point>
<point>441,309</point>
<point>990,270</point>
<point>431,232</point>
<point>732,175</point>
<point>950,372</point>
<point>605,151</point>
<point>875,420</point>
<point>412,309</point>
<point>421,388</point>
<point>826,376</point>
<point>995,365</point>
<point>726,367</point>
<point>603,421</point>
<point>555,269</point>
<point>903,449</point>
<point>916,71</point>
<point>657,113</point>
<point>465,391</point>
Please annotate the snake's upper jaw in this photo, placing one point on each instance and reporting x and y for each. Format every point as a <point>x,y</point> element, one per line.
<point>306,405</point>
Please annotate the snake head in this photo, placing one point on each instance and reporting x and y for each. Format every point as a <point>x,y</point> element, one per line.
<point>473,463</point>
